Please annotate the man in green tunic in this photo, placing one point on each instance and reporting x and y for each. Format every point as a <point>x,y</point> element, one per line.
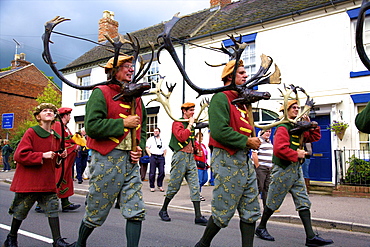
<point>235,177</point>
<point>114,168</point>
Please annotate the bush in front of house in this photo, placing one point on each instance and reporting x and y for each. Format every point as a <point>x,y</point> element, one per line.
<point>358,172</point>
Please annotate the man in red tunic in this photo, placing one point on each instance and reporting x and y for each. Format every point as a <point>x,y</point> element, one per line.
<point>287,176</point>
<point>66,187</point>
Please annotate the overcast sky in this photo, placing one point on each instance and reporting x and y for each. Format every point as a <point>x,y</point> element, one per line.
<point>24,21</point>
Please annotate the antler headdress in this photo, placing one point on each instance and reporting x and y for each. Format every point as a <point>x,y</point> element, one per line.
<point>128,91</point>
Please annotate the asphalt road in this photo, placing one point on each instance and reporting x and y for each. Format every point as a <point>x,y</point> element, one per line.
<point>181,231</point>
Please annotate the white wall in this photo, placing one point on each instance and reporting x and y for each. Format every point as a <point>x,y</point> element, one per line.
<point>313,51</point>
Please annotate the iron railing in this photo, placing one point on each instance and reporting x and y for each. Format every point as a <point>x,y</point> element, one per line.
<point>352,167</point>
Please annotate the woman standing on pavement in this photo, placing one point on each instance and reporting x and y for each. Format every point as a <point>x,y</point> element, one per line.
<point>200,156</point>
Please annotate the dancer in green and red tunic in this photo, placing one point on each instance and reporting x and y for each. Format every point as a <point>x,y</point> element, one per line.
<point>114,167</point>
<point>183,164</point>
<point>235,177</point>
<point>287,176</point>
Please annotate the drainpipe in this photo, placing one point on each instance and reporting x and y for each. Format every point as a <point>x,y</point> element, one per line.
<point>183,80</point>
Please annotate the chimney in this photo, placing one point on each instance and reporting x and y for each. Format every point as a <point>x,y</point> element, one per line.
<point>107,25</point>
<point>19,61</point>
<point>219,3</point>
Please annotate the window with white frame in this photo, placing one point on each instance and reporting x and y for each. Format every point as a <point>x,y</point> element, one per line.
<point>152,123</point>
<point>264,116</point>
<point>83,95</point>
<point>152,76</point>
<point>249,54</point>
<point>80,125</point>
<point>357,65</point>
<point>363,137</point>
<point>249,59</point>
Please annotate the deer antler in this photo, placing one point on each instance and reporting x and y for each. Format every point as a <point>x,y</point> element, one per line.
<point>167,44</point>
<point>203,105</point>
<point>133,42</point>
<point>260,78</point>
<point>287,96</point>
<point>164,100</point>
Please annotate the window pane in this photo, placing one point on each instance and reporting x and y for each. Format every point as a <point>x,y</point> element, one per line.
<point>269,115</point>
<point>152,123</point>
<point>249,59</point>
<point>153,74</point>
<point>363,137</point>
<point>357,64</point>
<point>84,94</point>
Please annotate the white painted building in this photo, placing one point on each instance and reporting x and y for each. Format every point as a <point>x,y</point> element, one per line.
<point>312,43</point>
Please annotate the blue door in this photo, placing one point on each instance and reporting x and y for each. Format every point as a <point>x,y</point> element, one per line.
<point>320,168</point>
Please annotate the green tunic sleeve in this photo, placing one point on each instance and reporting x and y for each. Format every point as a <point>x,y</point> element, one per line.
<point>96,123</point>
<point>219,123</point>
<point>363,120</point>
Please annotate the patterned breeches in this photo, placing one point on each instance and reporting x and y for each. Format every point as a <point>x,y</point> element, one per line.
<point>113,175</point>
<point>235,187</point>
<point>23,202</point>
<point>287,180</point>
<point>183,166</point>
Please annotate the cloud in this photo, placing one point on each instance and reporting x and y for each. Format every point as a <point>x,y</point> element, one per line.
<point>24,21</point>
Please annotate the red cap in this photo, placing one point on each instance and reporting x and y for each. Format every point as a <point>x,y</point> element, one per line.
<point>64,110</point>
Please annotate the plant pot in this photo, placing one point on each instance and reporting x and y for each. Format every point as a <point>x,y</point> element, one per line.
<point>340,134</point>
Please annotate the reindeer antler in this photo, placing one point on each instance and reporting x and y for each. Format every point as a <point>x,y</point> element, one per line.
<point>164,100</point>
<point>203,105</point>
<point>287,96</point>
<point>117,45</point>
<point>260,78</point>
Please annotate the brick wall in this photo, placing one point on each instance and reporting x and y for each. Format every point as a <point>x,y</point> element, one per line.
<point>18,91</point>
<point>220,3</point>
<point>107,26</point>
<point>352,191</point>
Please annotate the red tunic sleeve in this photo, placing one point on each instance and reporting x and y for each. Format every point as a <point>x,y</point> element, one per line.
<point>281,145</point>
<point>282,148</point>
<point>313,135</point>
<point>180,132</point>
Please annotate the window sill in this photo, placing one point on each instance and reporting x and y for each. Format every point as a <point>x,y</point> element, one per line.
<point>353,74</point>
<point>80,103</point>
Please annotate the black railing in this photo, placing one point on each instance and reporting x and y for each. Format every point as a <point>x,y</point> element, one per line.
<point>352,167</point>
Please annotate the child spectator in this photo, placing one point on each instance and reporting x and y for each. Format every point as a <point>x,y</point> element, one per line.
<point>36,157</point>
